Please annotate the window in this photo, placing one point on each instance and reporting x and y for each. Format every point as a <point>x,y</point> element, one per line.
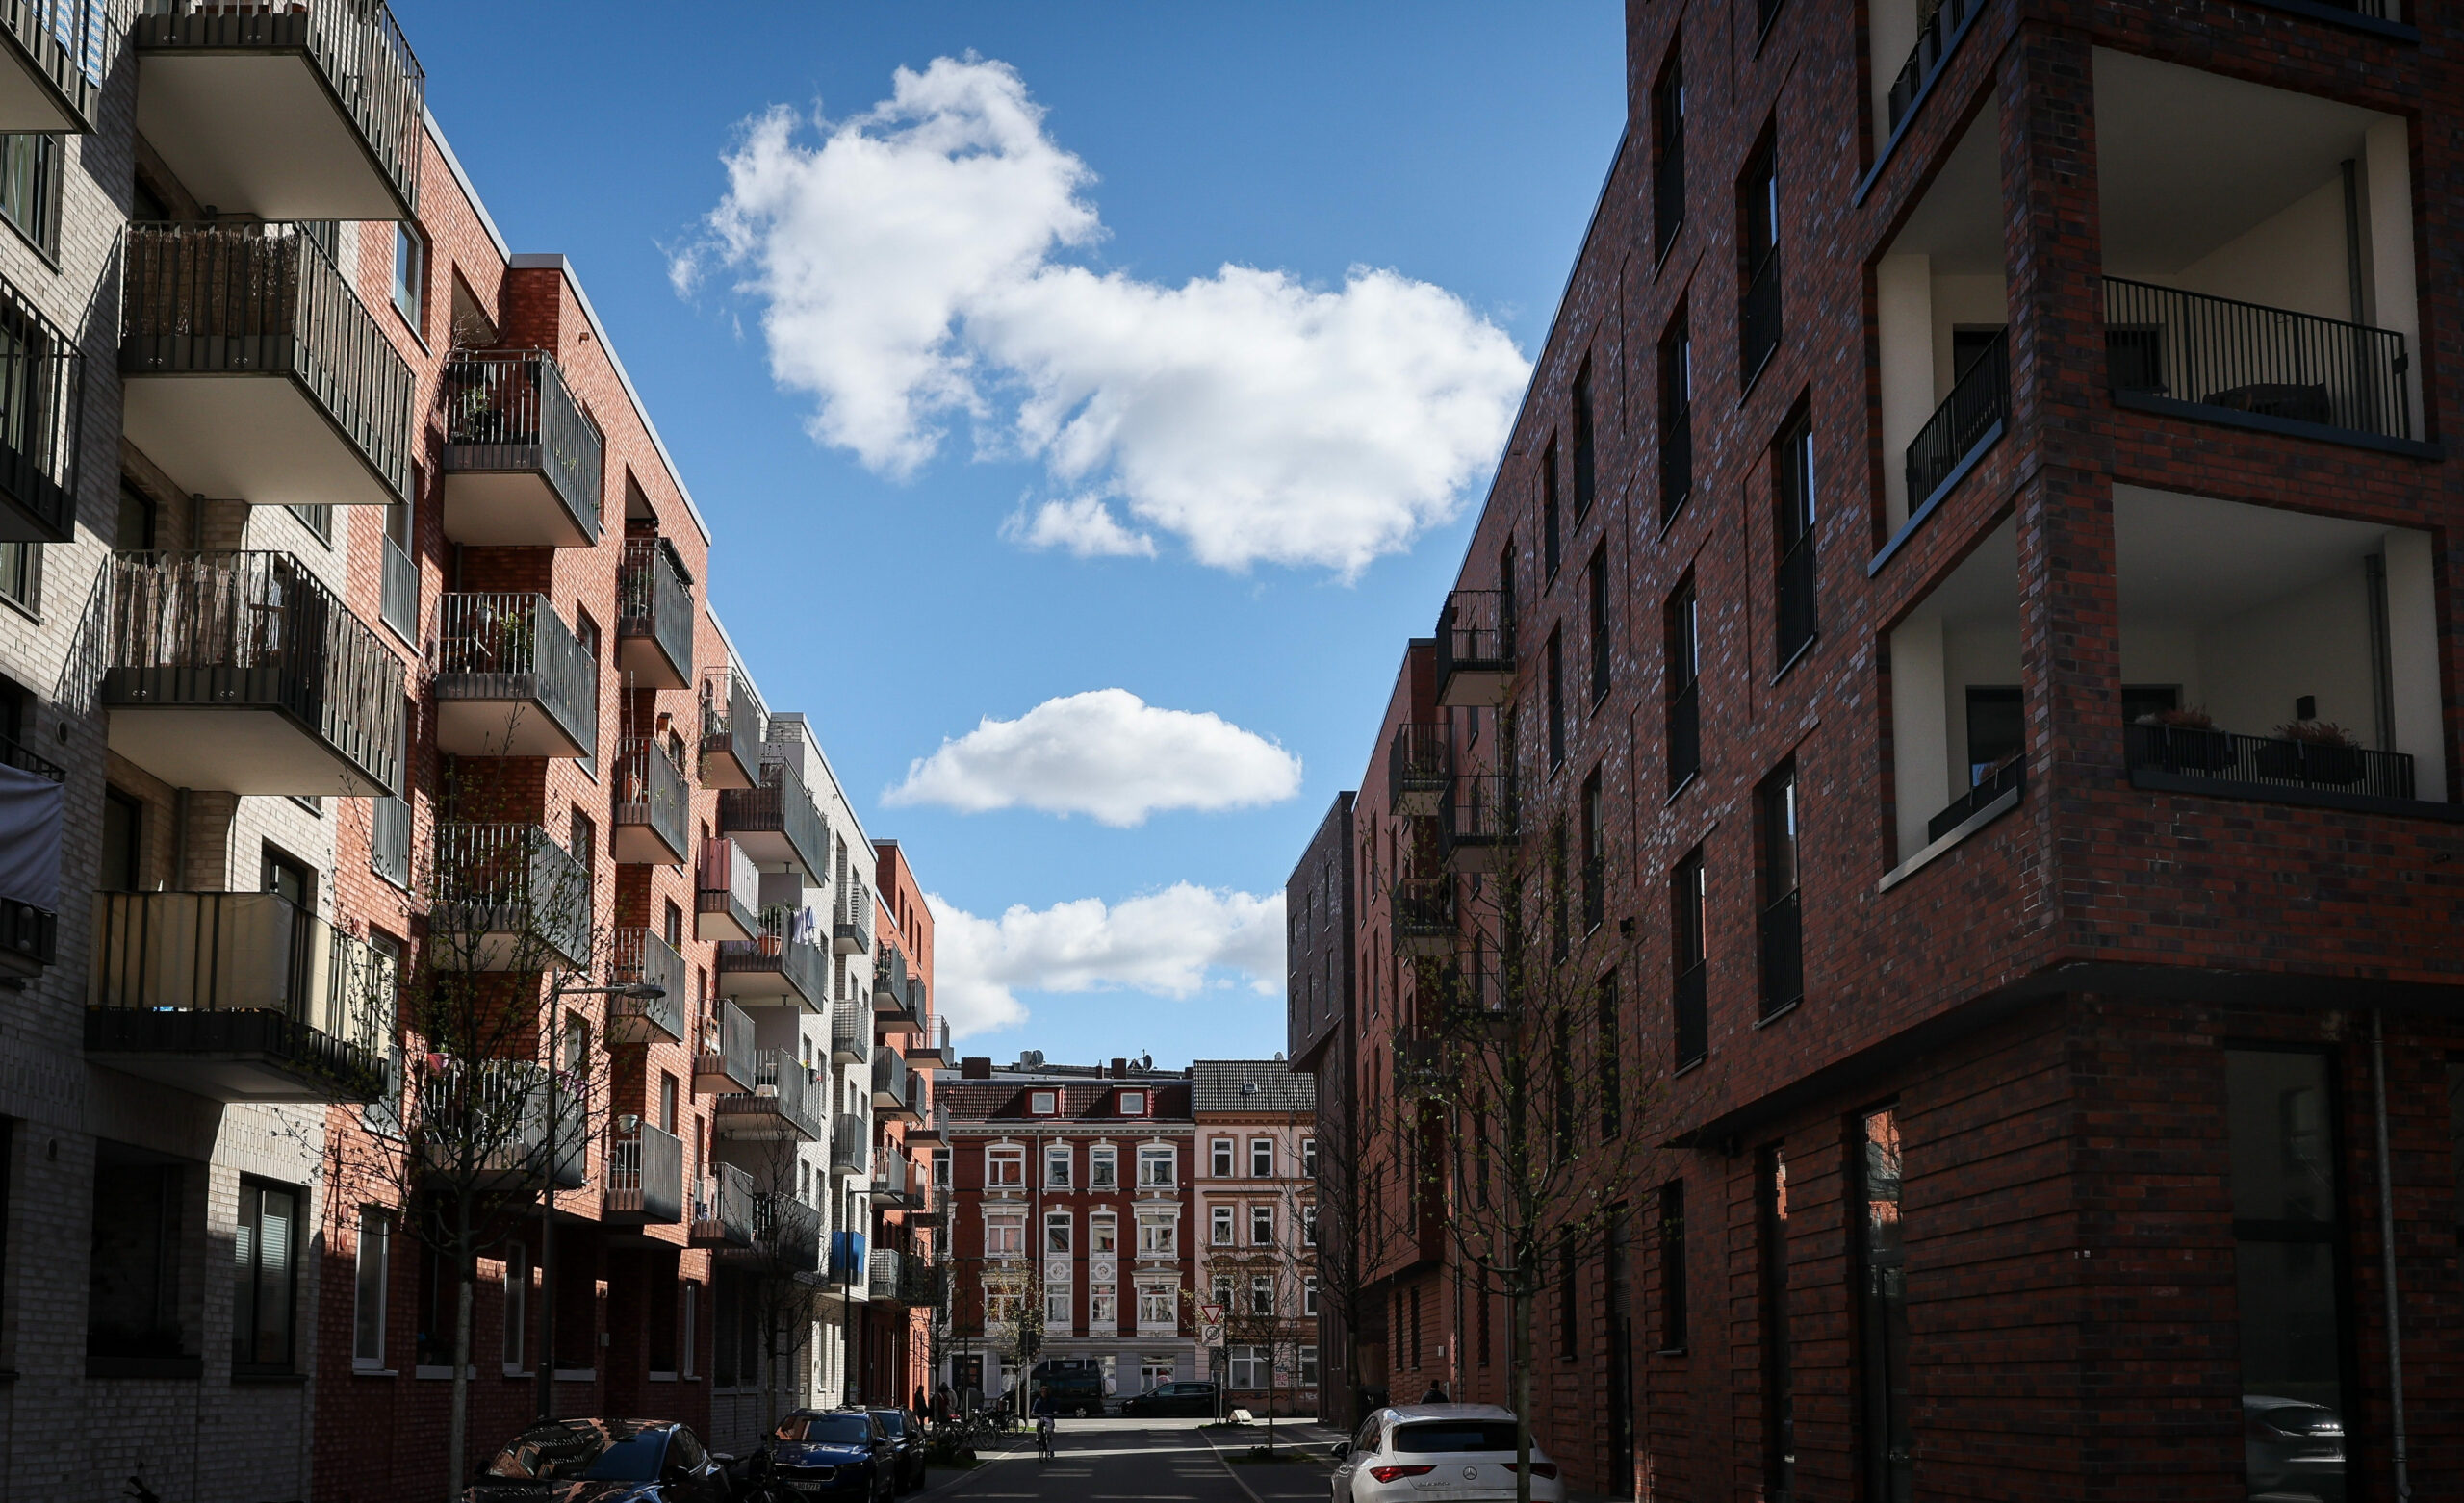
<point>1682,673</point>
<point>1000,1305</point>
<point>690,1334</point>
<point>1056,1166</point>
<point>22,573</point>
<point>1220,1227</point>
<point>1668,151</point>
<point>30,186</point>
<point>1248,1366</point>
<point>1221,1294</point>
<point>1878,1247</point>
<point>1595,855</point>
<point>1103,1167</point>
<point>1781,922</point>
<point>1549,508</point>
<point>1042,1104</point>
<point>1056,1232</point>
<point>517,1304</point>
<point>1157,1236</point>
<point>369,1286</point>
<point>1557,688</point>
<point>1596,599</point>
<point>1220,1155</point>
<point>1055,1306</point>
<point>1560,934</point>
<point>1155,1305</point>
<point>1261,1294</point>
<point>1309,1223</point>
<point>410,275</point>
<point>1308,1366</point>
<point>1005,1236</point>
<point>1155,1168</point>
<point>1103,1304</point>
<point>1262,1158</point>
<point>1690,1006</point>
<point>1006,1168</point>
<point>1569,1313</point>
<point>1676,417</point>
<point>124,824</point>
<point>1609,1037</point>
<point>1133,1104</point>
<point>1758,205</point>
<point>1587,459</point>
<point>1779,1388</point>
<point>133,1298</point>
<point>941,1168</point>
<point>1103,1233</point>
<point>1792,537</point>
<point>1672,1266</point>
<point>265,1288</point>
<point>2288,1233</point>
<point>1309,1156</point>
<point>1262,1226</point>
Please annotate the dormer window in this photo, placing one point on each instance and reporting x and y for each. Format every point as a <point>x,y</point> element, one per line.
<point>1133,1104</point>
<point>1042,1104</point>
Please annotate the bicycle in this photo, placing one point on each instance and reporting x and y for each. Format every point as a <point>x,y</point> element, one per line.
<point>1044,1427</point>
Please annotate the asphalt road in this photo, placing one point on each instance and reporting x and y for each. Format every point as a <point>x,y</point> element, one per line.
<point>1125,1461</point>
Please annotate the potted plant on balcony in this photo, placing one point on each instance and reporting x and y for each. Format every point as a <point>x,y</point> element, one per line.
<point>2187,741</point>
<point>2314,752</point>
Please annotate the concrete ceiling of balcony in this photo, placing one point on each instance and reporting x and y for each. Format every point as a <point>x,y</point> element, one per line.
<point>2187,160</point>
<point>2195,559</point>
<point>1958,222</point>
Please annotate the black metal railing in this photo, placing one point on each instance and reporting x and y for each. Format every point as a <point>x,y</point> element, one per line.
<point>782,948</point>
<point>389,839</point>
<point>726,1050</point>
<point>780,806</point>
<point>400,604</point>
<point>1422,912</point>
<point>2165,344</point>
<point>1691,1007</point>
<point>516,646</point>
<point>1675,458</point>
<point>1482,810</point>
<point>252,630</point>
<point>1936,31</point>
<point>1686,733</point>
<point>508,411</point>
<point>1474,635</point>
<point>42,377</point>
<point>649,791</point>
<point>655,599</point>
<point>2007,778</point>
<point>1784,959</point>
<point>69,43</point>
<point>1419,768</point>
<point>644,957</point>
<point>267,299</point>
<point>2259,763</point>
<point>645,1173</point>
<point>731,722</point>
<point>1794,589</point>
<point>355,44</point>
<point>1969,418</point>
<point>510,879</point>
<point>786,1233</point>
<point>1757,316</point>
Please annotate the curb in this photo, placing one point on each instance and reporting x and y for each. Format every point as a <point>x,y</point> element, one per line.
<point>1230,1470</point>
<point>983,1460</point>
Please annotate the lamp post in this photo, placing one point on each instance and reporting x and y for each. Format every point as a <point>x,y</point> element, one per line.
<point>557,992</point>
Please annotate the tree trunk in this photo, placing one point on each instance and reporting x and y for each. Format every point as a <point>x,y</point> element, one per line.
<point>457,1428</point>
<point>1522,1392</point>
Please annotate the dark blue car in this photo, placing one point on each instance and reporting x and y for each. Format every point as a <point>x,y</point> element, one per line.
<point>603,1460</point>
<point>838,1453</point>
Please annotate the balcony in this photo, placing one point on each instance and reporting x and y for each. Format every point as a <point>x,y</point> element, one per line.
<point>508,898</point>
<point>723,1065</point>
<point>1424,917</point>
<point>786,1233</point>
<point>654,616</point>
<point>42,378</point>
<point>523,463</point>
<point>308,110</point>
<point>847,1265</point>
<point>1475,650</point>
<point>783,1105</point>
<point>891,1178</point>
<point>895,1009</point>
<point>492,1123</point>
<point>932,1128</point>
<point>29,910</point>
<point>779,966</point>
<point>889,1083</point>
<point>1963,427</point>
<point>1419,769</point>
<point>777,824</point>
<point>654,812</point>
<point>60,51</point>
<point>251,369</point>
<point>239,997</point>
<point>644,957</point>
<point>851,1034</point>
<point>733,726</point>
<point>2190,355</point>
<point>889,975</point>
<point>2199,760</point>
<point>851,1144</point>
<point>645,1177</point>
<point>932,1050</point>
<point>898,1278</point>
<point>727,892</point>
<point>723,1209</point>
<point>853,932</point>
<point>1925,39</point>
<point>1483,822</point>
<point>241,671</point>
<point>511,680</point>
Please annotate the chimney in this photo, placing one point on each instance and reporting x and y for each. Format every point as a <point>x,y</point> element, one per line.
<point>976,1067</point>
<point>1120,1069</point>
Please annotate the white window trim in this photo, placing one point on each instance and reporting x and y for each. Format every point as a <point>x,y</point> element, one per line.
<point>1226,1152</point>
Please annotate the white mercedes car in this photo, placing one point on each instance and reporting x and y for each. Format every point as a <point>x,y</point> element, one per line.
<point>1437,1453</point>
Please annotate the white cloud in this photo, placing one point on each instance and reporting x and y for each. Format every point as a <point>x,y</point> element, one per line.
<point>1086,528</point>
<point>1177,943</point>
<point>1106,753</point>
<point>906,267</point>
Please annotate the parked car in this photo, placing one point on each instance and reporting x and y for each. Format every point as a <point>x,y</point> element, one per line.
<point>2292,1449</point>
<point>598,1460</point>
<point>832,1453</point>
<point>1075,1390</point>
<point>1173,1398</point>
<point>1411,1452</point>
<point>907,1446</point>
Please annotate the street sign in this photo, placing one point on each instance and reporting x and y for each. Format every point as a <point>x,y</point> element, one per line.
<point>1211,1335</point>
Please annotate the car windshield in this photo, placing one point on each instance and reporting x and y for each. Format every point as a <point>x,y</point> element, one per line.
<point>891,1420</point>
<point>604,1450</point>
<point>827,1429</point>
<point>1455,1434</point>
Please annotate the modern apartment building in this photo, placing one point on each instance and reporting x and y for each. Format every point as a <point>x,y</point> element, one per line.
<point>1964,624</point>
<point>1321,959</point>
<point>1257,1212</point>
<point>422,843</point>
<point>911,1046</point>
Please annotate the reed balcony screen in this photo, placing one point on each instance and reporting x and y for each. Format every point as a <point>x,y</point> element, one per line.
<point>723,1209</point>
<point>654,616</point>
<point>42,378</point>
<point>777,823</point>
<point>511,680</point>
<point>59,49</point>
<point>523,463</point>
<point>241,672</point>
<point>238,997</point>
<point>29,918</point>
<point>501,1123</point>
<point>2192,355</point>
<point>723,1064</point>
<point>302,109</point>
<point>1474,648</point>
<point>645,1177</point>
<point>852,933</point>
<point>252,370</point>
<point>644,957</point>
<point>784,1104</point>
<point>733,726</point>
<point>780,965</point>
<point>652,805</point>
<point>507,898</point>
<point>727,892</point>
<point>1419,767</point>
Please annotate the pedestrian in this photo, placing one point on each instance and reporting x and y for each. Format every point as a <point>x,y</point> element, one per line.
<point>1436,1394</point>
<point>918,1405</point>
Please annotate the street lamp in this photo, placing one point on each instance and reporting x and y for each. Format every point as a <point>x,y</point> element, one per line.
<point>557,992</point>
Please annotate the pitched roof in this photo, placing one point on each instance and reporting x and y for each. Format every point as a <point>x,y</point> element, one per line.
<point>1004,1099</point>
<point>1251,1085</point>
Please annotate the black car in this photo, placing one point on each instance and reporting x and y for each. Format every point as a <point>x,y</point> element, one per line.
<point>604,1461</point>
<point>1074,1389</point>
<point>1183,1399</point>
<point>907,1446</point>
<point>840,1453</point>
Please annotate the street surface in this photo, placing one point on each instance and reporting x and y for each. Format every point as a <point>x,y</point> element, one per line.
<point>1122,1461</point>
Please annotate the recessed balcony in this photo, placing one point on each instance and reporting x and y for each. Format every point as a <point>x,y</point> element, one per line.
<point>524,462</point>
<point>654,616</point>
<point>1419,769</point>
<point>1483,821</point>
<point>57,53</point>
<point>733,726</point>
<point>1422,917</point>
<point>508,898</point>
<point>307,108</point>
<point>777,824</point>
<point>251,370</point>
<point>784,1105</point>
<point>723,1064</point>
<point>503,1124</point>
<point>511,680</point>
<point>643,956</point>
<point>42,377</point>
<point>645,1177</point>
<point>723,1209</point>
<point>654,811</point>
<point>727,892</point>
<point>239,997</point>
<point>1474,648</point>
<point>779,966</point>
<point>2189,355</point>
<point>853,932</point>
<point>243,673</point>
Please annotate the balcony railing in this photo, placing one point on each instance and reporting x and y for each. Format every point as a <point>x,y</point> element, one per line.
<point>779,964</point>
<point>654,809</point>
<point>238,997</point>
<point>851,1033</point>
<point>1784,964</point>
<point>853,932</point>
<point>508,898</point>
<point>2005,778</point>
<point>42,377</point>
<point>727,892</point>
<point>890,1181</point>
<point>645,1178</point>
<point>2202,356</point>
<point>512,679</point>
<point>1691,1007</point>
<point>29,916</point>
<point>228,110</point>
<point>490,1122</point>
<point>389,839</point>
<point>782,1104</point>
<point>724,1063</point>
<point>644,957</point>
<point>1483,819</point>
<point>786,1233</point>
<point>400,606</point>
<point>523,463</point>
<point>199,651</point>
<point>1474,648</point>
<point>889,1081</point>
<point>887,1280</point>
<point>230,300</point>
<point>723,1209</point>
<point>1969,419</point>
<point>731,730</point>
<point>63,46</point>
<point>851,1144</point>
<point>1937,33</point>
<point>777,824</point>
<point>889,975</point>
<point>1758,317</point>
<point>655,615</point>
<point>933,1052</point>
<point>2233,765</point>
<point>1424,916</point>
<point>1419,767</point>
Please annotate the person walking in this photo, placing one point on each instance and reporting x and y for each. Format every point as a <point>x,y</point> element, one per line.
<point>1436,1394</point>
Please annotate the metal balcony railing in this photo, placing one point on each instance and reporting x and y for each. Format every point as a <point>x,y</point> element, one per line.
<point>1691,1010</point>
<point>645,1176</point>
<point>723,1209</point>
<point>1420,767</point>
<point>510,412</point>
<point>781,819</point>
<point>1782,931</point>
<point>733,727</point>
<point>507,898</point>
<point>851,1033</point>
<point>399,605</point>
<point>1936,32</point>
<point>1757,316</point>
<point>786,1233</point>
<point>358,48</point>
<point>783,948</point>
<point>29,933</point>
<point>1969,420</point>
<point>889,1176</point>
<point>851,1144</point>
<point>889,975</point>
<point>2254,766</point>
<point>783,1102</point>
<point>514,648</point>
<point>728,886</point>
<point>852,933</point>
<point>490,1119</point>
<point>1424,916</point>
<point>2011,775</point>
<point>251,630</point>
<point>885,1270</point>
<point>648,795</point>
<point>2172,349</point>
<point>889,1079</point>
<point>68,44</point>
<point>1474,648</point>
<point>1483,819</point>
<point>643,956</point>
<point>43,376</point>
<point>655,601</point>
<point>389,839</point>
<point>267,299</point>
<point>724,1063</point>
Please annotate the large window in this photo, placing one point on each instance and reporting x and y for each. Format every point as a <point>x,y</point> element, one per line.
<point>1262,1158</point>
<point>1103,1233</point>
<point>1057,1233</point>
<point>1005,1236</point>
<point>1056,1306</point>
<point>368,1287</point>
<point>1878,1249</point>
<point>30,186</point>
<point>1006,1168</point>
<point>1779,1388</point>
<point>1682,673</point>
<point>1155,1305</point>
<point>1783,916</point>
<point>1262,1226</point>
<point>2287,1241</point>
<point>1758,205</point>
<point>1158,1236</point>
<point>1155,1168</point>
<point>266,1283</point>
<point>1103,1304</point>
<point>133,1305</point>
<point>1792,536</point>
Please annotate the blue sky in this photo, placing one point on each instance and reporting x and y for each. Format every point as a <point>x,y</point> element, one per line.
<point>868,572</point>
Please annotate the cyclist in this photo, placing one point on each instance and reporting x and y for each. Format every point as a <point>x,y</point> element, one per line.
<point>1046,1411</point>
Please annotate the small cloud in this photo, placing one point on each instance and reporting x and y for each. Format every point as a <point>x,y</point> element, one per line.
<point>1086,528</point>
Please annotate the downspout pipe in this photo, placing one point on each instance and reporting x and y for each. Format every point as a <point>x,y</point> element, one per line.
<point>2387,1259</point>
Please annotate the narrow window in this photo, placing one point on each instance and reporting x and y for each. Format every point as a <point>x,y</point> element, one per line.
<point>2288,1237</point>
<point>1220,1225</point>
<point>370,1284</point>
<point>1792,538</point>
<point>1220,1156</point>
<point>1560,933</point>
<point>1549,544</point>
<point>1881,1257</point>
<point>1668,152</point>
<point>1586,460</point>
<point>1613,1103</point>
<point>1757,195</point>
<point>30,186</point>
<point>688,1352</point>
<point>1690,1003</point>
<point>1676,417</point>
<point>1778,1391</point>
<point>1261,1157</point>
<point>1672,1266</point>
<point>1595,859</point>
<point>1782,921</point>
<point>1309,1157</point>
<point>1556,689</point>
<point>1561,1085</point>
<point>133,1292</point>
<point>1056,1166</point>
<point>517,1306</point>
<point>410,276</point>
<point>1683,673</point>
<point>266,1248</point>
<point>1569,1314</point>
<point>1482,1298</point>
<point>1596,590</point>
<point>1056,1232</point>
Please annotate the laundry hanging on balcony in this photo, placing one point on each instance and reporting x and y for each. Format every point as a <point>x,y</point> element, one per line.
<point>30,817</point>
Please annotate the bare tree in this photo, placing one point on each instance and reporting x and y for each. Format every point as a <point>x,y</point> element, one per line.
<point>1013,1315</point>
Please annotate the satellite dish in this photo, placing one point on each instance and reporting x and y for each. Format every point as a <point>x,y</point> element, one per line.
<point>1032,1059</point>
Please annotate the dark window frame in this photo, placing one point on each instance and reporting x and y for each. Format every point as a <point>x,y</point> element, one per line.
<point>1795,554</point>
<point>1673,1290</point>
<point>1682,677</point>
